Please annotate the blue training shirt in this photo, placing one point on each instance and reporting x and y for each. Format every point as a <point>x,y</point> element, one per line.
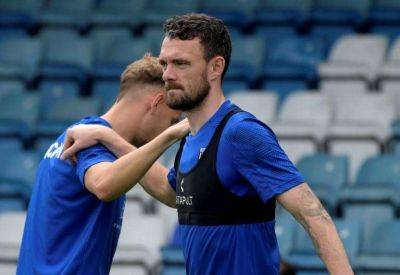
<point>248,152</point>
<point>68,230</point>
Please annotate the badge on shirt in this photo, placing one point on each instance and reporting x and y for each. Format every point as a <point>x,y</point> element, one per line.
<point>201,152</point>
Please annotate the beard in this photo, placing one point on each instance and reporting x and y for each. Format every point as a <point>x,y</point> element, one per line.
<point>187,100</point>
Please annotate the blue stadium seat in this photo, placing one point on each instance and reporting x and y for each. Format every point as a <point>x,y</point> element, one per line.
<point>331,33</point>
<point>326,175</point>
<point>63,112</point>
<point>58,88</point>
<point>293,57</point>
<point>246,60</point>
<point>231,86</point>
<point>385,12</point>
<point>16,193</point>
<point>390,31</point>
<point>234,13</point>
<point>284,229</point>
<point>155,35</point>
<point>340,12</point>
<point>18,114</point>
<point>172,255</point>
<point>11,86</point>
<point>19,167</point>
<point>18,13</point>
<point>71,13</point>
<point>11,205</point>
<point>43,144</point>
<point>103,37</point>
<point>10,145</point>
<point>20,58</point>
<point>159,10</point>
<point>381,249</point>
<point>67,56</point>
<point>368,215</point>
<point>174,270</point>
<point>286,13</point>
<point>284,87</point>
<point>120,54</point>
<point>377,181</point>
<point>118,13</point>
<point>107,91</point>
<point>303,254</point>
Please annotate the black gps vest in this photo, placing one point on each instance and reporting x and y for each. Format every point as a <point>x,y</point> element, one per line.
<point>202,199</point>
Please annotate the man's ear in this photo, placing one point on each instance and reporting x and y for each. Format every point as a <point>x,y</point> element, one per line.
<point>217,67</point>
<point>156,101</point>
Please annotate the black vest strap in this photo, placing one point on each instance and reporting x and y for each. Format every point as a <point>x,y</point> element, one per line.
<point>202,199</point>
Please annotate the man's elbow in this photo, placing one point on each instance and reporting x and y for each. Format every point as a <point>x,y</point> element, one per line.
<point>103,192</point>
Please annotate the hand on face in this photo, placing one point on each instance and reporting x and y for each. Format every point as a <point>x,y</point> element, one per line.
<point>179,130</point>
<point>80,137</point>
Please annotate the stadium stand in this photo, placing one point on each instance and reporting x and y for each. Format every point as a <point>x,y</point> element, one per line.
<point>324,75</point>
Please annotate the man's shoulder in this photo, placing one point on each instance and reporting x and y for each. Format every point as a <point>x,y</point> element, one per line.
<point>246,125</point>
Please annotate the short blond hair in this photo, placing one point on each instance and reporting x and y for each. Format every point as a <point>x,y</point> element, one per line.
<point>143,71</point>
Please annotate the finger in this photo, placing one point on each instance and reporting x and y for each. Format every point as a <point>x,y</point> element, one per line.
<point>70,152</point>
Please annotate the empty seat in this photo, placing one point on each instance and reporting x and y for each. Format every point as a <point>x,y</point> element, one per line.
<point>15,192</point>
<point>118,13</point>
<point>271,12</point>
<point>340,12</point>
<point>140,241</point>
<point>20,166</point>
<point>233,13</point>
<point>170,219</point>
<point>296,149</point>
<point>138,194</point>
<point>391,69</point>
<point>377,181</point>
<point>66,13</point>
<point>174,270</point>
<point>51,90</point>
<point>20,58</point>
<point>158,10</point>
<point>326,175</point>
<point>284,229</point>
<point>247,56</point>
<point>119,54</point>
<point>385,13</point>
<point>103,37</point>
<point>63,112</point>
<point>369,215</point>
<point>11,230</point>
<point>355,57</point>
<point>21,122</point>
<point>18,13</point>
<point>284,87</point>
<point>263,105</point>
<point>305,115</point>
<point>107,91</point>
<point>66,56</point>
<point>381,249</point>
<point>10,145</point>
<point>303,253</point>
<point>293,57</point>
<point>366,115</point>
<point>128,269</point>
<point>11,86</point>
<point>8,268</point>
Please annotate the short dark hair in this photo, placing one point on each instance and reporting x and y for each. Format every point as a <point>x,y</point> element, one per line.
<point>212,32</point>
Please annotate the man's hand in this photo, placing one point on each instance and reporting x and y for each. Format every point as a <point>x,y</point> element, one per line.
<point>80,137</point>
<point>178,131</point>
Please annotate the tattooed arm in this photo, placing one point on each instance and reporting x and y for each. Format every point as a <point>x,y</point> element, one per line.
<point>301,202</point>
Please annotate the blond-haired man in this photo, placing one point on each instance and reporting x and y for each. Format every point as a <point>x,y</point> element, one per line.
<point>76,209</point>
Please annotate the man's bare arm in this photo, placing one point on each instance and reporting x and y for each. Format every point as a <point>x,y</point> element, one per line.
<point>302,203</point>
<point>154,182</point>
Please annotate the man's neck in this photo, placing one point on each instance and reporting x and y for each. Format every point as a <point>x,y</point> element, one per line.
<point>118,116</point>
<point>202,113</point>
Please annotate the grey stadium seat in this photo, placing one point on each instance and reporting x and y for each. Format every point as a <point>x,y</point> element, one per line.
<point>355,57</point>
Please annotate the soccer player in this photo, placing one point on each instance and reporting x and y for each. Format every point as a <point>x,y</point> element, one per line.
<point>230,170</point>
<point>75,212</point>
